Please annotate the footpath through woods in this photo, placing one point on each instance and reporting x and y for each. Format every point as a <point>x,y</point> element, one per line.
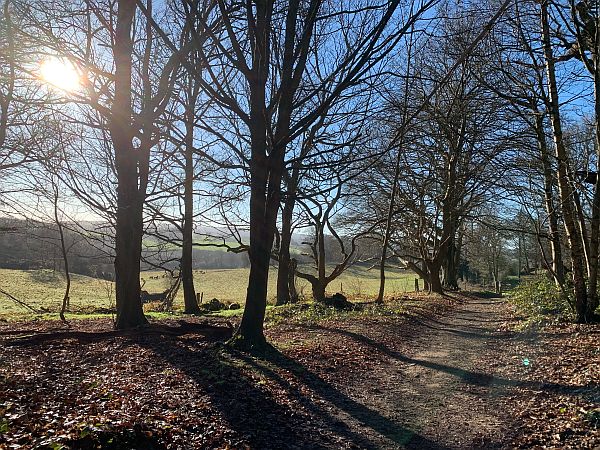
<point>449,373</point>
<point>438,381</point>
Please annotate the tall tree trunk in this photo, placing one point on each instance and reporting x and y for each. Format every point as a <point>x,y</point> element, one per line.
<point>565,188</point>
<point>250,332</point>
<point>445,256</point>
<point>496,270</point>
<point>65,256</point>
<point>186,266</point>
<point>595,225</point>
<point>451,264</point>
<point>555,248</point>
<point>251,326</point>
<point>292,281</point>
<point>284,266</point>
<point>266,168</point>
<point>129,221</point>
<point>285,263</point>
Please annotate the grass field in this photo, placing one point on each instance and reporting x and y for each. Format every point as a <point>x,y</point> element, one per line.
<point>43,289</point>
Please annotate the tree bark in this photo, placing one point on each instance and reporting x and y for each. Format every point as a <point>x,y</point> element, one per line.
<point>129,221</point>
<point>250,332</point>
<point>65,256</point>
<point>434,281</point>
<point>187,275</point>
<point>565,188</point>
<point>292,281</point>
<point>555,248</point>
<point>451,262</point>
<point>318,291</point>
<point>594,261</point>
<point>285,264</point>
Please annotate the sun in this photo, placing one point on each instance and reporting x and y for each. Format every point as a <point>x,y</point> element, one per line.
<point>60,73</point>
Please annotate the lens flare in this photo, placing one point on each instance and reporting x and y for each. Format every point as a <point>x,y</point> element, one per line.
<point>60,73</point>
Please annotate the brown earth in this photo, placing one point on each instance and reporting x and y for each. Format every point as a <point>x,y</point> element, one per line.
<point>450,373</point>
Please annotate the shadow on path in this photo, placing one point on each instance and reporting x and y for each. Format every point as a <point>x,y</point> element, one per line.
<point>466,376</point>
<point>255,414</point>
<point>365,416</point>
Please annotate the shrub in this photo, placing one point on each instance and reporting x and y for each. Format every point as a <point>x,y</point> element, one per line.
<point>541,300</point>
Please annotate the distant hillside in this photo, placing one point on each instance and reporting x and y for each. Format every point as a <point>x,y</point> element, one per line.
<point>31,245</point>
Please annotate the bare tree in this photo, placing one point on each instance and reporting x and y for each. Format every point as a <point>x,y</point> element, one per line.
<point>566,189</point>
<point>127,86</point>
<point>280,102</point>
<point>321,211</point>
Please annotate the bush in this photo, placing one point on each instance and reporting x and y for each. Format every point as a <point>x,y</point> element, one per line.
<point>541,300</point>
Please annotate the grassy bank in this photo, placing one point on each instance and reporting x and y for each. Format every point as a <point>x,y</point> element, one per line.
<point>43,289</point>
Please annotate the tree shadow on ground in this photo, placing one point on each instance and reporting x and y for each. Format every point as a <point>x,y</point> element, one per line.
<point>233,381</point>
<point>468,376</point>
<point>485,294</point>
<point>446,328</point>
<point>425,320</point>
<point>33,337</point>
<point>400,435</point>
<point>253,413</point>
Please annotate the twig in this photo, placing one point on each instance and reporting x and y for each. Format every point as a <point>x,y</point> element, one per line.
<point>17,301</point>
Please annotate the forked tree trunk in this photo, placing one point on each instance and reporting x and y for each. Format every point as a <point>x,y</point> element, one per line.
<point>266,170</point>
<point>265,186</point>
<point>434,280</point>
<point>267,157</point>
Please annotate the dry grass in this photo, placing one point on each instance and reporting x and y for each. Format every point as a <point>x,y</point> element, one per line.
<point>44,289</point>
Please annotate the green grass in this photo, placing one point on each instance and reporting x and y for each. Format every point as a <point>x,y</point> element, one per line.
<point>44,289</point>
<point>313,313</point>
<point>229,285</point>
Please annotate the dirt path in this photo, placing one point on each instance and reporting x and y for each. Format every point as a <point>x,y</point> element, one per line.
<point>429,387</point>
<point>409,374</point>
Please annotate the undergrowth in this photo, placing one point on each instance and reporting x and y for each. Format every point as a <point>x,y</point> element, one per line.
<point>314,312</point>
<point>541,301</point>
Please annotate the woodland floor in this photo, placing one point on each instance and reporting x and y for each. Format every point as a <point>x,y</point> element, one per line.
<point>449,373</point>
